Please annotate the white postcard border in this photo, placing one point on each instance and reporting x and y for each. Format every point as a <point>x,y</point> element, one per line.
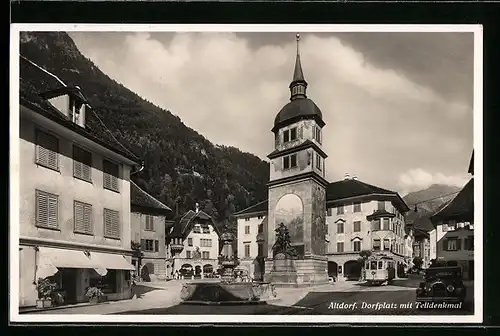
<point>198,319</point>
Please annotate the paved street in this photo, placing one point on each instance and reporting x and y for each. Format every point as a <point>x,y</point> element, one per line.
<point>331,299</point>
<point>347,298</point>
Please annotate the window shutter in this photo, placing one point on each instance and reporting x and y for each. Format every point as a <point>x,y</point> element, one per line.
<point>52,218</point>
<point>47,150</point>
<point>77,169</point>
<point>110,175</point>
<point>111,223</point>
<point>157,245</point>
<point>42,204</point>
<point>143,244</point>
<point>46,209</point>
<point>445,245</point>
<point>78,217</point>
<point>459,244</point>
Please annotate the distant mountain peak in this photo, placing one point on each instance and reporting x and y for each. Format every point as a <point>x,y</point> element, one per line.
<point>427,202</point>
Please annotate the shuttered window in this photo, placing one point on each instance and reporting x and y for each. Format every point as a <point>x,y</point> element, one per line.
<point>82,164</point>
<point>47,150</point>
<point>47,209</point>
<point>110,175</point>
<point>111,224</point>
<point>82,214</point>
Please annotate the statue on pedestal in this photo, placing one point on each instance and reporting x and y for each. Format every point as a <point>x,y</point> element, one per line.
<point>283,243</point>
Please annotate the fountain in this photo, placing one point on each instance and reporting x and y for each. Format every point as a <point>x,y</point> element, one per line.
<point>227,290</point>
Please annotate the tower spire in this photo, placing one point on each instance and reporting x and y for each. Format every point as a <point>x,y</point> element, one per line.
<point>298,85</point>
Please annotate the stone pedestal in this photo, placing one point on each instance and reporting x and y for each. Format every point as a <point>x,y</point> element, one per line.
<point>309,271</point>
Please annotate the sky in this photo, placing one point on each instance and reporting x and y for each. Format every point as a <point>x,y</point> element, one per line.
<point>397,106</point>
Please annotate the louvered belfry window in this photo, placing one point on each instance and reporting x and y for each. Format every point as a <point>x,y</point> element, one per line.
<point>47,150</point>
<point>111,223</point>
<point>47,209</point>
<point>110,172</point>
<point>82,164</point>
<point>83,217</point>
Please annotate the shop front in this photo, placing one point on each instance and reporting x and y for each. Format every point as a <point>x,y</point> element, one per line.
<point>73,271</point>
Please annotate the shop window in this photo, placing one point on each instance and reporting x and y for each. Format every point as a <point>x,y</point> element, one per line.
<point>109,281</point>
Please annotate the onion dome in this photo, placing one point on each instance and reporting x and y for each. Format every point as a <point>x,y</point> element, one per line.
<point>299,107</point>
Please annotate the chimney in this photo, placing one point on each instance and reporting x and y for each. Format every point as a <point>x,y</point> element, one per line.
<point>197,207</point>
<point>354,177</point>
<point>346,177</point>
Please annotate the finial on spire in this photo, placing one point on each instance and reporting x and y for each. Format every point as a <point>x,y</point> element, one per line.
<point>298,85</point>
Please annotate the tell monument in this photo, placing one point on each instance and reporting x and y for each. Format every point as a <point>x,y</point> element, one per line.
<point>297,192</point>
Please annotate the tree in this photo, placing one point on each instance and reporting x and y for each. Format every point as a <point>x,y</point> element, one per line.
<point>136,247</point>
<point>363,256</point>
<point>417,262</point>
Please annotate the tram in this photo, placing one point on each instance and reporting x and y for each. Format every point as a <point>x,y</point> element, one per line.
<point>379,270</point>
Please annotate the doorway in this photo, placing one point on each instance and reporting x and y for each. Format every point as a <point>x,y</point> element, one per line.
<point>69,278</point>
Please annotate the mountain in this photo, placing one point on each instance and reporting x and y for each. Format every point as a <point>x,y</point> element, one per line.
<point>180,164</point>
<point>427,202</point>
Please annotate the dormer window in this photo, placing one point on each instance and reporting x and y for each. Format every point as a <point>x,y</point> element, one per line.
<point>70,102</point>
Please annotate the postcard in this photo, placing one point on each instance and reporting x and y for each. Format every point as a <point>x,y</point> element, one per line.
<point>246,173</point>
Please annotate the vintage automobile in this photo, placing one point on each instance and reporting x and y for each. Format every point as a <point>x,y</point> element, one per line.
<point>442,284</point>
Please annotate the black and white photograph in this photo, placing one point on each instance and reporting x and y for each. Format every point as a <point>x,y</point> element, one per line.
<point>213,173</point>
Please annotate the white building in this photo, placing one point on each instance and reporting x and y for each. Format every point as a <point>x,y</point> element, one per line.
<point>74,220</point>
<point>251,226</point>
<point>193,245</point>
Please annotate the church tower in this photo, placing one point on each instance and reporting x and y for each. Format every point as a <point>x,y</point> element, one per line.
<point>297,186</point>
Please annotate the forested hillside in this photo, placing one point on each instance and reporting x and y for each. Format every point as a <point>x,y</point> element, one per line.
<point>181,166</point>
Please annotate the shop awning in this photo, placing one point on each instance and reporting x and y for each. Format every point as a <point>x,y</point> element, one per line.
<point>111,261</point>
<point>51,259</point>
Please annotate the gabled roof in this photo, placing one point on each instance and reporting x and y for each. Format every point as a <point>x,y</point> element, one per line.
<point>460,208</point>
<point>143,200</point>
<point>261,207</point>
<point>183,226</point>
<point>34,83</point>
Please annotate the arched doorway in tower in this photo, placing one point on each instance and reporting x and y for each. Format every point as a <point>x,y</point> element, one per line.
<point>352,270</point>
<point>333,268</point>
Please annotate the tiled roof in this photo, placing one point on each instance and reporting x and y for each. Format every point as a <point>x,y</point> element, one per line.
<point>182,227</point>
<point>259,207</point>
<point>460,208</point>
<point>34,83</point>
<point>338,191</point>
<point>141,198</point>
<point>351,188</point>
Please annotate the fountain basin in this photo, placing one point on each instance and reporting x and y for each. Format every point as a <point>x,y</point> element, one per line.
<point>218,292</point>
